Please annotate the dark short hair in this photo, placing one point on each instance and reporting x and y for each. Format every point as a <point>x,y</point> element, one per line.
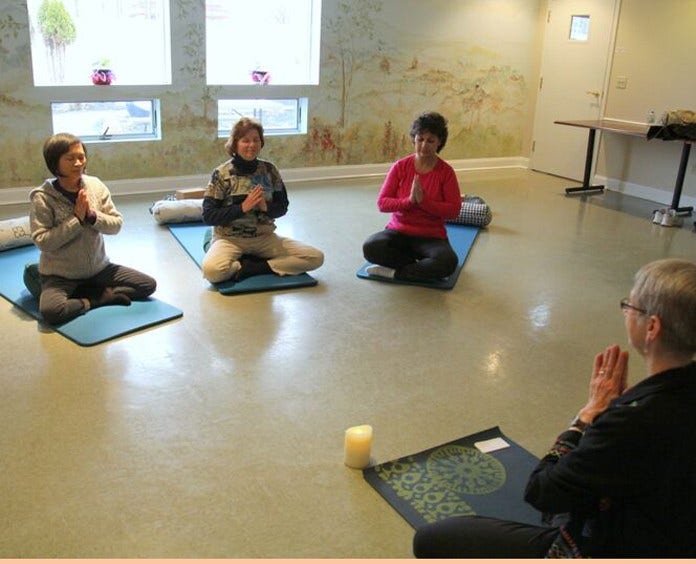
<point>56,146</point>
<point>430,122</point>
<point>239,130</point>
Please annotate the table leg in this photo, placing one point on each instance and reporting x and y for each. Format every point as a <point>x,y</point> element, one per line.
<point>686,149</point>
<point>588,168</point>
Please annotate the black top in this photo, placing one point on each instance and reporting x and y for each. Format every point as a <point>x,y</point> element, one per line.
<point>628,482</point>
<point>673,132</point>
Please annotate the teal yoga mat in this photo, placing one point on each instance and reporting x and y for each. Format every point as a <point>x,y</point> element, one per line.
<point>457,478</point>
<point>461,237</point>
<point>191,237</point>
<point>97,325</point>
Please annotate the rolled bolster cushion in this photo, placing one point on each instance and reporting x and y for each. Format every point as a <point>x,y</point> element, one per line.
<point>15,232</point>
<point>474,211</point>
<point>177,211</point>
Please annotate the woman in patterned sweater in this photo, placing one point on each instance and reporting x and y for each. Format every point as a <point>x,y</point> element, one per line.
<point>243,198</point>
<point>621,480</point>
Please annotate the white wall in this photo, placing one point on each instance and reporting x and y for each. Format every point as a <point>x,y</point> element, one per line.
<point>655,47</point>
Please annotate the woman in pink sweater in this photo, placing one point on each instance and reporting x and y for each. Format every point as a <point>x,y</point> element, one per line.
<point>420,191</point>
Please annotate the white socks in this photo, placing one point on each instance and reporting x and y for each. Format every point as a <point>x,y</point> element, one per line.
<point>381,271</point>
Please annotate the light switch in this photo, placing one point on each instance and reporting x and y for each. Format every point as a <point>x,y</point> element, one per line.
<point>621,82</point>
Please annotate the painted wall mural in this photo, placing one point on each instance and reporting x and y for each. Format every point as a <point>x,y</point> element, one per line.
<point>382,63</point>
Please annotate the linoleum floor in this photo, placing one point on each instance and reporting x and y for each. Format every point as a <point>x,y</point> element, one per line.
<point>221,434</point>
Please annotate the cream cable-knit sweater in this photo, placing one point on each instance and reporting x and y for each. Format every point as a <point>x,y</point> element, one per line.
<point>69,248</point>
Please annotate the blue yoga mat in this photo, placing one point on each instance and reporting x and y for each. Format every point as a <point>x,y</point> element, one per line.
<point>191,236</point>
<point>459,478</point>
<point>461,237</point>
<point>92,328</point>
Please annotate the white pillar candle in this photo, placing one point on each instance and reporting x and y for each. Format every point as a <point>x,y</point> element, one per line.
<point>357,446</point>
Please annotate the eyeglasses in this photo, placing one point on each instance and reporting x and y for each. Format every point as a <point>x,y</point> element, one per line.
<point>626,305</point>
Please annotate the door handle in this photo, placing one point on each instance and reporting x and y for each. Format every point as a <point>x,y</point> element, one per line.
<point>595,93</point>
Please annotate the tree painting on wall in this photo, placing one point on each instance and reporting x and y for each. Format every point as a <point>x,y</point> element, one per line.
<point>58,30</point>
<point>354,33</point>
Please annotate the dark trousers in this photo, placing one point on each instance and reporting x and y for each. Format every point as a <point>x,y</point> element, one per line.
<point>482,537</point>
<point>61,298</point>
<point>413,258</point>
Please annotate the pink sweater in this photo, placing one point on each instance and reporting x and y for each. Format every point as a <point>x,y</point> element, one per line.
<point>441,199</point>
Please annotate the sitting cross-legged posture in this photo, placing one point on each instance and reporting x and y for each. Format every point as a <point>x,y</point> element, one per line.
<point>243,198</point>
<point>69,215</point>
<point>620,482</point>
<point>421,192</point>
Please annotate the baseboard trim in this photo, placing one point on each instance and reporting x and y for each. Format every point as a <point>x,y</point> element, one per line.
<point>10,196</point>
<point>343,172</point>
<point>170,184</point>
<point>651,193</point>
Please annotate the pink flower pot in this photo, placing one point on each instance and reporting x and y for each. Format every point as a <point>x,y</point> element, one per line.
<point>102,77</point>
<point>261,77</point>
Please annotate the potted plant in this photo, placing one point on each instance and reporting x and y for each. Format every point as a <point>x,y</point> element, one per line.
<point>260,76</point>
<point>102,75</point>
<point>58,30</point>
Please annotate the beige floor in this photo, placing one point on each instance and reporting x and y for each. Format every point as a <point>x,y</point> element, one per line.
<point>221,434</point>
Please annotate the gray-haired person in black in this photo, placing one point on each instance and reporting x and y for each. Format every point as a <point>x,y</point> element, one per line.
<point>620,482</point>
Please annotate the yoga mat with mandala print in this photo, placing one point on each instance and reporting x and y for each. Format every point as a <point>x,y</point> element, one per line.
<point>458,479</point>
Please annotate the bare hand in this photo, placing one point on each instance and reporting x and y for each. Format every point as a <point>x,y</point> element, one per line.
<point>609,380</point>
<point>416,196</point>
<point>81,205</point>
<point>254,199</point>
<point>262,205</point>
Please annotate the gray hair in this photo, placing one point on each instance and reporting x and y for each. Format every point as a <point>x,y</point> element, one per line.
<point>667,288</point>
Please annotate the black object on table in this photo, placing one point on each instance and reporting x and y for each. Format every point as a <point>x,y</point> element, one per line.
<point>667,133</point>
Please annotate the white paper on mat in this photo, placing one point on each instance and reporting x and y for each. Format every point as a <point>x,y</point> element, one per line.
<point>491,444</point>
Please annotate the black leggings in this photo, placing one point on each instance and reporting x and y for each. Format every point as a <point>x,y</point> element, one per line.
<point>482,537</point>
<point>413,258</point>
<point>61,298</point>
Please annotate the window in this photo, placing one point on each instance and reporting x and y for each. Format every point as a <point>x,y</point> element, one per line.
<point>70,39</point>
<point>262,41</point>
<point>130,120</point>
<point>579,28</point>
<point>277,116</point>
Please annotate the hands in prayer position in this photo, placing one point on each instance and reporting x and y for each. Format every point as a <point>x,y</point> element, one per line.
<point>608,381</point>
<point>255,199</point>
<point>81,205</point>
<point>416,196</point>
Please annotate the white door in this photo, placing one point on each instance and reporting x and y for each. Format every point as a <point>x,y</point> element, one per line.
<point>578,40</point>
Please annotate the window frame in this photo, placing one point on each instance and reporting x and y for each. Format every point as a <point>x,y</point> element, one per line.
<point>90,56</point>
<point>156,122</point>
<point>300,127</point>
<point>214,64</point>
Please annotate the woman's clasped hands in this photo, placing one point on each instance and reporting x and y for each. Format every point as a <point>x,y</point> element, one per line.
<point>416,195</point>
<point>255,199</point>
<point>81,205</point>
<point>608,381</point>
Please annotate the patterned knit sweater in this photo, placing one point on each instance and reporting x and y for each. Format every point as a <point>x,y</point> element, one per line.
<point>228,188</point>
